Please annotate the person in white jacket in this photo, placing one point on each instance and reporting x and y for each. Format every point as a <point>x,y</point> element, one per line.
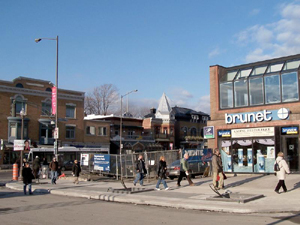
<point>281,174</point>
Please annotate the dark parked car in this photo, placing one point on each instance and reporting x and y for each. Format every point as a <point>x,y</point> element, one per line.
<point>197,167</point>
<point>67,165</point>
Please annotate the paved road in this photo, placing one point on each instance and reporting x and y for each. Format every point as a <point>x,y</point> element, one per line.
<point>15,208</point>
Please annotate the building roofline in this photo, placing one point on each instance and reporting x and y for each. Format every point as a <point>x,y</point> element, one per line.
<point>268,61</point>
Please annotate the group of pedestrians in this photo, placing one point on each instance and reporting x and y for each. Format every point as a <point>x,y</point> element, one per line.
<point>29,174</point>
<point>217,171</point>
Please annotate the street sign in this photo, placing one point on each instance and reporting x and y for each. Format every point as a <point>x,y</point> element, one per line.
<point>102,162</point>
<point>55,134</point>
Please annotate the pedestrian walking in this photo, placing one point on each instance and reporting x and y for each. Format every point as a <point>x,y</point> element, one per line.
<point>36,167</point>
<point>53,167</point>
<point>140,171</point>
<point>161,173</point>
<point>27,178</point>
<point>281,174</point>
<point>76,169</point>
<point>184,170</point>
<point>217,169</point>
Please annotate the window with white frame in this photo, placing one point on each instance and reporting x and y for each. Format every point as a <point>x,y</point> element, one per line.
<point>90,130</point>
<point>102,131</point>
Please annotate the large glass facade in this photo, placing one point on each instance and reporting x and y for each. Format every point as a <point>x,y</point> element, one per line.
<point>289,86</point>
<point>241,92</point>
<point>272,89</point>
<point>256,91</point>
<point>259,85</point>
<point>226,95</point>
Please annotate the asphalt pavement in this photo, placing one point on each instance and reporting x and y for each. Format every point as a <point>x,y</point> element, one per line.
<point>198,197</point>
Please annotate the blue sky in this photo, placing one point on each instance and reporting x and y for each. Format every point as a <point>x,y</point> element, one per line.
<point>153,46</point>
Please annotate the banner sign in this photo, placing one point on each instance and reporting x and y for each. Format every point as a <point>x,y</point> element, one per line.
<point>208,132</point>
<point>102,162</point>
<point>253,132</point>
<point>19,145</point>
<point>54,100</point>
<point>84,159</point>
<point>289,130</point>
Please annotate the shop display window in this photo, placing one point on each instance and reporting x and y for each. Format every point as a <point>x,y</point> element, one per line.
<point>248,155</point>
<point>263,155</point>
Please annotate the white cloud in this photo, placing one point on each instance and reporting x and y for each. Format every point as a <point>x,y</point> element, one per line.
<point>276,39</point>
<point>254,12</point>
<point>214,53</point>
<point>203,104</point>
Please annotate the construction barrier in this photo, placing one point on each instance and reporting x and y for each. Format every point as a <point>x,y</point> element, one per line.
<point>15,171</point>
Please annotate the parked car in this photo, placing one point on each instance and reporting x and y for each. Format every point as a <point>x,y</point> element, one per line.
<point>196,166</point>
<point>67,165</point>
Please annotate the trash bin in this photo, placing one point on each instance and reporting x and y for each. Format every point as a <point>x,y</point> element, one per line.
<point>45,172</point>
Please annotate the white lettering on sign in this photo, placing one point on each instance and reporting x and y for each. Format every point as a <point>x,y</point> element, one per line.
<point>248,117</point>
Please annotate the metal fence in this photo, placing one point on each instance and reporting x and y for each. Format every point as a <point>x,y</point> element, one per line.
<point>128,163</point>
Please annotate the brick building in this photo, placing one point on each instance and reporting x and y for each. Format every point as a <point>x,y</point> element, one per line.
<point>34,97</point>
<point>255,113</point>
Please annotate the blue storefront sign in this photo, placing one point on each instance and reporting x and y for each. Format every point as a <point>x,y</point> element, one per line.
<point>289,130</point>
<point>102,162</point>
<point>224,133</point>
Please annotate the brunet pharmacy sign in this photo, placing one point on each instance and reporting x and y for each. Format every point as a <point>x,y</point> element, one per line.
<point>260,116</point>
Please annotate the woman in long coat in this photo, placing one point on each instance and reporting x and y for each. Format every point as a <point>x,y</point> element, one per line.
<point>161,173</point>
<point>281,174</point>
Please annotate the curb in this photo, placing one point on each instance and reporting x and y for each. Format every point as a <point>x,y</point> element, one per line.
<point>154,201</point>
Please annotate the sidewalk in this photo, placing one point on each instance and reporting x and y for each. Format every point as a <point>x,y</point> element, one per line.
<point>186,197</point>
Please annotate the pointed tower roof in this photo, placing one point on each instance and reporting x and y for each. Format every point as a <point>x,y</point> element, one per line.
<point>164,109</point>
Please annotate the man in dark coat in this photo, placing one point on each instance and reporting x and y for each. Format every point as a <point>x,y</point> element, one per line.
<point>76,169</point>
<point>53,167</point>
<point>140,170</point>
<point>27,178</point>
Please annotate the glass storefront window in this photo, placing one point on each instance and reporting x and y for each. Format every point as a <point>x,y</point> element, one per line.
<point>226,95</point>
<point>226,155</point>
<point>256,91</point>
<point>242,155</point>
<point>241,93</point>
<point>272,89</point>
<point>290,90</point>
<point>263,155</point>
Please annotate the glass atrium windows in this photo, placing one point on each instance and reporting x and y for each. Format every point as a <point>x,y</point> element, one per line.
<point>261,84</point>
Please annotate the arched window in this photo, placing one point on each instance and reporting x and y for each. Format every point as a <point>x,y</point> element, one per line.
<point>19,103</point>
<point>194,132</point>
<point>48,89</point>
<point>19,85</point>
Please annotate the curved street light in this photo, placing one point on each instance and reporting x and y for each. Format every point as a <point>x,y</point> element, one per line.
<point>122,96</point>
<point>56,89</point>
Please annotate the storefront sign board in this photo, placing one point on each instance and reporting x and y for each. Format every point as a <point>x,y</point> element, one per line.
<point>253,132</point>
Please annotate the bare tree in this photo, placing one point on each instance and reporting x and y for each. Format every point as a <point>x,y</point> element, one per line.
<point>100,100</point>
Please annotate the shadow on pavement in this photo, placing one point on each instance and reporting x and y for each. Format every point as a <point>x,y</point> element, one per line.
<point>294,219</point>
<point>244,181</point>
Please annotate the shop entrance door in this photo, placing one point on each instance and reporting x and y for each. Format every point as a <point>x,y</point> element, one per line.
<point>292,153</point>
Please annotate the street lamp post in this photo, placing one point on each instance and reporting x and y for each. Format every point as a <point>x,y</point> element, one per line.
<point>122,96</point>
<point>56,93</point>
<point>22,114</point>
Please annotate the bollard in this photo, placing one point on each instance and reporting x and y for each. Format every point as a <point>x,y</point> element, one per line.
<point>15,171</point>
